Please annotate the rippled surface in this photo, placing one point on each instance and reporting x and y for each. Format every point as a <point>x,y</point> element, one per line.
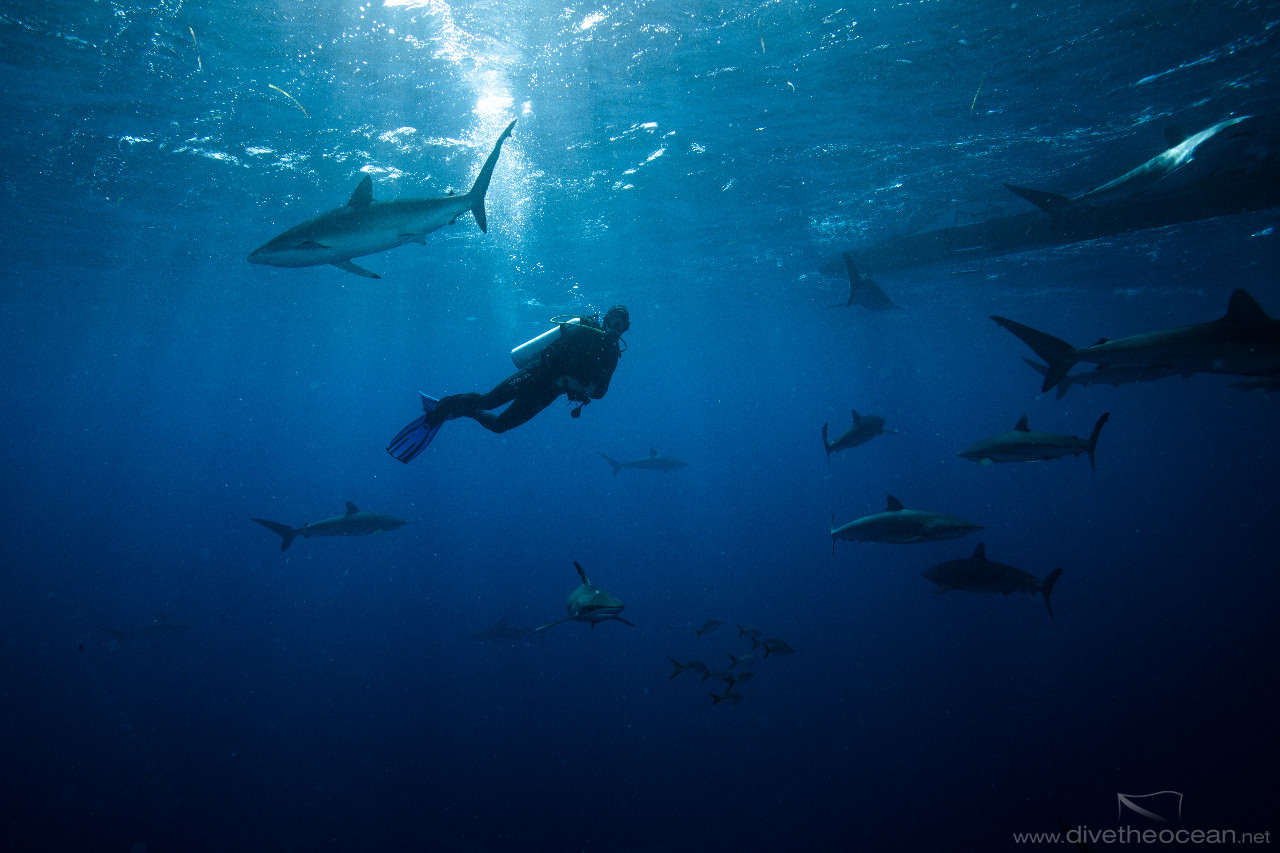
<point>703,163</point>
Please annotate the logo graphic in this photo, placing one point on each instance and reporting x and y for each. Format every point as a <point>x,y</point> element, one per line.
<point>1160,806</point>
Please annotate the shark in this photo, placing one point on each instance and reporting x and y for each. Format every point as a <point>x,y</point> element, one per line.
<point>364,226</point>
<point>863,289</point>
<point>501,633</point>
<point>978,574</point>
<point>591,604</point>
<point>1022,444</point>
<point>1114,376</point>
<point>1138,181</point>
<point>865,428</point>
<point>353,522</point>
<point>1225,170</point>
<point>652,462</point>
<point>898,525</point>
<point>1243,342</point>
<point>1258,384</point>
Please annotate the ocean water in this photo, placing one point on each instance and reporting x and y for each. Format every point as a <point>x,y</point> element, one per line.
<point>700,163</point>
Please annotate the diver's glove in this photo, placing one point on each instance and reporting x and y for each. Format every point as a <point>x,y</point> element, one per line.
<point>581,400</point>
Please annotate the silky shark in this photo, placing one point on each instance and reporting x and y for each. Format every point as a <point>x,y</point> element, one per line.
<point>898,525</point>
<point>353,522</point>
<point>1114,376</point>
<point>978,574</point>
<point>652,462</point>
<point>865,428</point>
<point>589,603</point>
<point>1024,444</point>
<point>1135,182</point>
<point>503,634</point>
<point>1243,342</point>
<point>1230,168</point>
<point>863,289</point>
<point>364,226</point>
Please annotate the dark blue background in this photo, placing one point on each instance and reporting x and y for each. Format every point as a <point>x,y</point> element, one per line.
<point>159,392</point>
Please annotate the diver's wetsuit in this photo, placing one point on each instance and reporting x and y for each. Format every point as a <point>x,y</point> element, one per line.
<point>579,364</point>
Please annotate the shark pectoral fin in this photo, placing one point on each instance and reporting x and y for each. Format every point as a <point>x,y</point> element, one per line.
<point>1051,203</point>
<point>557,622</point>
<point>624,621</point>
<point>352,268</point>
<point>312,244</point>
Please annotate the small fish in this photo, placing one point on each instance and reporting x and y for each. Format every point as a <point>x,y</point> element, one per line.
<point>707,627</point>
<point>694,665</point>
<point>750,632</point>
<point>733,696</point>
<point>741,660</point>
<point>742,676</point>
<point>722,674</point>
<point>777,646</point>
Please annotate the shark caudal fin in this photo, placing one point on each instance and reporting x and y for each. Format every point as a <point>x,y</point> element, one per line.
<point>1051,203</point>
<point>617,466</point>
<point>1043,370</point>
<point>481,186</point>
<point>1093,438</point>
<point>286,532</point>
<point>1059,355</point>
<point>1046,588</point>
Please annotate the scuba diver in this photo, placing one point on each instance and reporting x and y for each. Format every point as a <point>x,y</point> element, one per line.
<point>576,358</point>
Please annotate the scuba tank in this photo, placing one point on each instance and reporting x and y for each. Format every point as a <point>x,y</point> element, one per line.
<point>529,351</point>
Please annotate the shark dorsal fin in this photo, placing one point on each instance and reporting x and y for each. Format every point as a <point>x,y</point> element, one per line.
<point>363,195</point>
<point>1243,308</point>
<point>1021,426</point>
<point>980,553</point>
<point>857,418</point>
<point>581,573</point>
<point>895,505</point>
<point>352,509</point>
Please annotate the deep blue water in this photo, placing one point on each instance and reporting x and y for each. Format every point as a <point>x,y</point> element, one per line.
<point>699,164</point>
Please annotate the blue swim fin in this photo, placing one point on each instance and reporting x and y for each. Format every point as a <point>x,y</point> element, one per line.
<point>414,438</point>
